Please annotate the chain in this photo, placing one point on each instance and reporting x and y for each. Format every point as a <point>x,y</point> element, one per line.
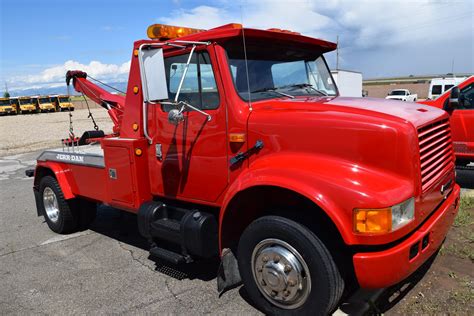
<point>71,128</point>
<point>90,113</point>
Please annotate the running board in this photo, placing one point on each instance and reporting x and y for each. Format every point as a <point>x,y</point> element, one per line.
<point>169,256</point>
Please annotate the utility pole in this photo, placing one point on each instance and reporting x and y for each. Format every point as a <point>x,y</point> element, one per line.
<point>337,53</point>
<point>452,67</point>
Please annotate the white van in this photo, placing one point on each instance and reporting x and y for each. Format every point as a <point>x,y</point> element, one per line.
<point>440,85</point>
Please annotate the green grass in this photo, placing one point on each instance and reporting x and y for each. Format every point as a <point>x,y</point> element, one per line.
<point>464,216</point>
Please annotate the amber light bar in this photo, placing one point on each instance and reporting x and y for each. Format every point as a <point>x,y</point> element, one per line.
<point>164,32</point>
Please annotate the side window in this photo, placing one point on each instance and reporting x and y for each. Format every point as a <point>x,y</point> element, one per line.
<point>436,89</point>
<point>447,87</point>
<point>199,87</point>
<point>467,97</point>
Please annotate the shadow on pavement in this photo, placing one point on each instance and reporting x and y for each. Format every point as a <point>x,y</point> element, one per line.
<point>122,226</point>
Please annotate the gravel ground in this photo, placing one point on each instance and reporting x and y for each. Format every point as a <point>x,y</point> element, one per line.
<point>26,133</point>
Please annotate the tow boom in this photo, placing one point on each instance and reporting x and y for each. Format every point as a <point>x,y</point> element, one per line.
<point>113,103</point>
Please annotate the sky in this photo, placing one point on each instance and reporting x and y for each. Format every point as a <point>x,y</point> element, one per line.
<point>41,40</point>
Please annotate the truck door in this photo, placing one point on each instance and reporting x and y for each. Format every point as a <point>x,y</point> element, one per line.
<point>190,159</point>
<point>462,120</point>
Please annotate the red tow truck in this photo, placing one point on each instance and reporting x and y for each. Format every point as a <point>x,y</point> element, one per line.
<point>459,102</point>
<point>233,142</point>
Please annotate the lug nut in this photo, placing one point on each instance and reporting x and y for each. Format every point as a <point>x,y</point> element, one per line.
<point>291,282</point>
<point>287,268</point>
<point>276,259</point>
<point>274,293</point>
<point>259,269</point>
<point>287,293</point>
<point>265,259</point>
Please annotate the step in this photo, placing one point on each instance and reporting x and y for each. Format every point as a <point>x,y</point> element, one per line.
<point>167,229</point>
<point>168,255</point>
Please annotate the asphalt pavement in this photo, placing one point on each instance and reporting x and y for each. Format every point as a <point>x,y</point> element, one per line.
<point>105,269</point>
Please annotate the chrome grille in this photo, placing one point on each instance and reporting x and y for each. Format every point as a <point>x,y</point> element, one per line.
<point>436,152</point>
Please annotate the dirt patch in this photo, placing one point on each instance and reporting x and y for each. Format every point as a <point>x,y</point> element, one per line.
<point>30,132</point>
<point>445,284</point>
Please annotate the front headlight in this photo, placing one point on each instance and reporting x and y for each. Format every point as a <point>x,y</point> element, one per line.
<point>384,220</point>
<point>403,213</point>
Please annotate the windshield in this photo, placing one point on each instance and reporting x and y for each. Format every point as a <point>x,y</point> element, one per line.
<point>275,71</point>
<point>64,99</point>
<point>4,102</point>
<point>397,92</point>
<point>25,101</point>
<point>44,100</point>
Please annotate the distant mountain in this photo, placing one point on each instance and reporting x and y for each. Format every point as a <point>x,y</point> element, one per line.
<point>122,86</point>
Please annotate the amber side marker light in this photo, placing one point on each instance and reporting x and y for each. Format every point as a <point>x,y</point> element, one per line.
<point>163,32</point>
<point>138,152</point>
<point>373,220</point>
<point>237,138</point>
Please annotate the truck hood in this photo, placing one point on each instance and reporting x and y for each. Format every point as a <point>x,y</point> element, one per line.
<point>417,114</point>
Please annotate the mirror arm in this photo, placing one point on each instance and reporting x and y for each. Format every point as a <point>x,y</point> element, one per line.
<point>185,104</point>
<point>184,73</point>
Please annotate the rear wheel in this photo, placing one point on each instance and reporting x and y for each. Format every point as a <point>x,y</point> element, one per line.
<point>286,269</point>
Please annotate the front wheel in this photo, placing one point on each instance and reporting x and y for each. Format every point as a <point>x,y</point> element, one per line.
<point>64,216</point>
<point>286,269</point>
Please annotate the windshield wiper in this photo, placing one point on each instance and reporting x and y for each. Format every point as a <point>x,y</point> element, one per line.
<point>304,86</point>
<point>273,90</point>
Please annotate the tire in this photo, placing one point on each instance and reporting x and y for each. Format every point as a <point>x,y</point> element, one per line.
<point>65,218</point>
<point>320,287</point>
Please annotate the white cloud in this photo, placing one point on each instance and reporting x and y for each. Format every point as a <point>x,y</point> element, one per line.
<point>55,76</point>
<point>362,23</point>
<point>371,32</point>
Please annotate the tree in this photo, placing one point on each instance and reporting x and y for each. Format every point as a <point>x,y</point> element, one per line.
<point>6,94</point>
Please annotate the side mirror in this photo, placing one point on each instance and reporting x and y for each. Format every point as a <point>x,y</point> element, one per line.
<point>452,102</point>
<point>152,73</point>
<point>454,98</point>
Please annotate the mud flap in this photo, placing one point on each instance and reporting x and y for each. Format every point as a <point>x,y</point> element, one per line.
<point>39,210</point>
<point>228,276</point>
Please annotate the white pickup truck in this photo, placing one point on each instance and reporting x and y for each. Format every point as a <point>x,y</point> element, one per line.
<point>402,95</point>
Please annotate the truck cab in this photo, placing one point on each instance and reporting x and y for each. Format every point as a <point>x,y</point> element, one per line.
<point>62,103</point>
<point>461,118</point>
<point>6,107</point>
<point>44,104</point>
<point>27,105</point>
<point>234,142</point>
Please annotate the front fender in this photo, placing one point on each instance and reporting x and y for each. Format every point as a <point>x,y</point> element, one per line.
<point>61,173</point>
<point>336,186</point>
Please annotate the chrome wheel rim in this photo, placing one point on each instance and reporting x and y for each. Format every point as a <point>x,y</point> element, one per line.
<point>50,203</point>
<point>281,274</point>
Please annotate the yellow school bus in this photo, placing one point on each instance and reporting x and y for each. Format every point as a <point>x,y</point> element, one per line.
<point>62,103</point>
<point>5,107</point>
<point>44,104</point>
<point>27,105</point>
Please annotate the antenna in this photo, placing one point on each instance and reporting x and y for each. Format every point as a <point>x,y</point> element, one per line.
<point>337,53</point>
<point>245,58</point>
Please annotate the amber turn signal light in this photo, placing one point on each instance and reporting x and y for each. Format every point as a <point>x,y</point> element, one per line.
<point>373,220</point>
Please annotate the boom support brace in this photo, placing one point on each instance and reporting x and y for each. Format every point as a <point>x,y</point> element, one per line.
<point>114,104</point>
